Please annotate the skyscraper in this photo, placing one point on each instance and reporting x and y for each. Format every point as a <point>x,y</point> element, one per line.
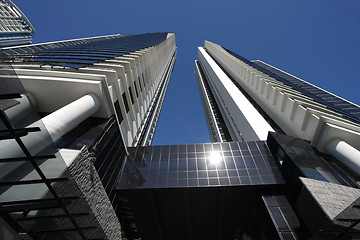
<point>283,164</point>
<point>254,98</point>
<point>76,124</point>
<point>312,134</point>
<point>15,28</point>
<point>69,111</point>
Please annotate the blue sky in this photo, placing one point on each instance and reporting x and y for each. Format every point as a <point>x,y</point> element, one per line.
<point>317,41</point>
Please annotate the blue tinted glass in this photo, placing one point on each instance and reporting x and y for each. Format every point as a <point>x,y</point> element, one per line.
<point>195,167</point>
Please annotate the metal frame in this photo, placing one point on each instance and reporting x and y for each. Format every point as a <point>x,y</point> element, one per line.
<point>27,205</point>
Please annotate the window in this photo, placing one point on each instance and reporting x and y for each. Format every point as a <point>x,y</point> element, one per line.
<point>125,102</point>
<point>131,95</point>
<point>280,155</point>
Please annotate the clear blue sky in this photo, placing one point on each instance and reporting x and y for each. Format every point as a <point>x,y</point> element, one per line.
<point>317,41</point>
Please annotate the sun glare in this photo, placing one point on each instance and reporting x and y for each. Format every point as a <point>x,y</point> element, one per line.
<point>215,158</point>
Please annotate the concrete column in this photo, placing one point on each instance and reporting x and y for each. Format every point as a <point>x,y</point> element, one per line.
<point>57,124</point>
<point>345,153</point>
<point>68,117</point>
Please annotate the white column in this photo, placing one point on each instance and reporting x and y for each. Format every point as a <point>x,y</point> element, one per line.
<point>345,153</point>
<point>68,117</point>
<point>57,124</point>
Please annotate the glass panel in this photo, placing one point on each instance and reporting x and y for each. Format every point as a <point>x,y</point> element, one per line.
<point>290,216</point>
<point>255,179</point>
<point>214,181</point>
<point>234,181</point>
<point>202,182</point>
<point>225,146</point>
<point>288,236</point>
<point>183,165</point>
<point>195,183</point>
<point>249,162</point>
<point>229,161</point>
<point>39,143</point>
<point>39,213</point>
<point>193,174</point>
<point>182,183</point>
<point>73,235</point>
<point>223,173</point>
<point>223,164</point>
<point>259,161</point>
<point>49,224</point>
<point>53,167</point>
<point>278,218</point>
<point>245,180</point>
<point>313,174</point>
<point>268,179</point>
<point>200,148</point>
<point>190,148</point>
<point>202,174</point>
<point>216,147</point>
<point>212,173</point>
<point>243,146</point>
<point>224,181</point>
<point>234,146</point>
<point>10,149</point>
<point>252,146</point>
<point>270,201</point>
<point>208,147</point>
<point>17,171</point>
<point>24,192</point>
<point>172,175</point>
<point>201,165</point>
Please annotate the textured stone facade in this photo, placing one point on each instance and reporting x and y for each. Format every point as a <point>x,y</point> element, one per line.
<point>92,190</point>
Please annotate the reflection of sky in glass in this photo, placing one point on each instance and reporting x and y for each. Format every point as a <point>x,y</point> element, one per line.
<point>199,165</point>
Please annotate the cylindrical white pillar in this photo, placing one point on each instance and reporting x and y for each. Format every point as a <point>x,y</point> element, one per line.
<point>68,117</point>
<point>345,153</point>
<point>57,124</point>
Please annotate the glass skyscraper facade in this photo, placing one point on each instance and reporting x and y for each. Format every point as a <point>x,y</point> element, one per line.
<point>15,28</point>
<point>312,135</point>
<point>69,110</point>
<point>78,117</point>
<point>234,190</point>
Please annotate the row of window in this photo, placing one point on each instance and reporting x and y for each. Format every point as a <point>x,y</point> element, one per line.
<point>333,102</point>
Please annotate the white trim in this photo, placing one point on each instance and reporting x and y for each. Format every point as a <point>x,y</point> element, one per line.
<point>247,119</point>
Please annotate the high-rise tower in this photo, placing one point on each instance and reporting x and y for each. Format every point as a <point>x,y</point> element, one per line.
<point>69,110</point>
<point>248,99</point>
<point>128,74</point>
<point>312,134</point>
<point>15,28</point>
<point>283,164</point>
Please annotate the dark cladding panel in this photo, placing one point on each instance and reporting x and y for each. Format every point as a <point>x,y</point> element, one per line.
<point>283,217</point>
<point>109,151</point>
<point>296,157</point>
